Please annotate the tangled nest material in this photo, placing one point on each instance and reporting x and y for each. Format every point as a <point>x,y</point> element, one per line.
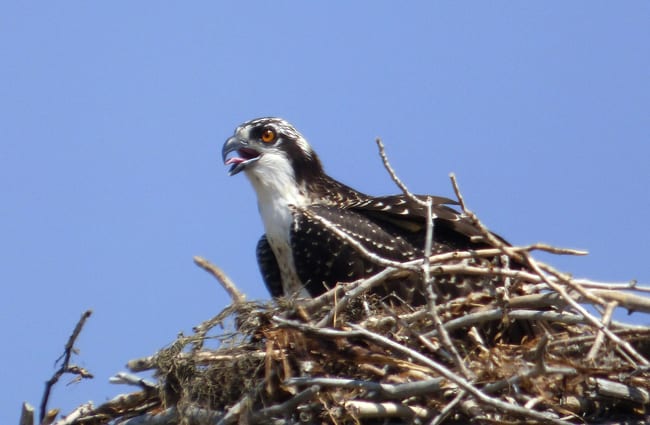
<point>346,357</point>
<point>351,357</point>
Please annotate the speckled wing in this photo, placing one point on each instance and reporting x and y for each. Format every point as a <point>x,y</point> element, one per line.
<point>323,259</point>
<point>452,230</point>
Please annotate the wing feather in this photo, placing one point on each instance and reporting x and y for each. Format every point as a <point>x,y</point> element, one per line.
<point>269,267</point>
<point>323,259</point>
<point>451,227</point>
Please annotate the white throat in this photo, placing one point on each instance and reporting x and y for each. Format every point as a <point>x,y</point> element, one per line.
<point>274,182</point>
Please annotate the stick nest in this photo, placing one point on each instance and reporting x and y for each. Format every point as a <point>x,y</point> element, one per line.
<point>352,357</point>
<point>516,342</point>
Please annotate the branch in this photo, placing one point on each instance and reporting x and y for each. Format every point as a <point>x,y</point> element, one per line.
<point>27,414</point>
<point>364,409</point>
<point>130,379</point>
<point>374,389</point>
<point>235,294</point>
<point>393,175</point>
<point>286,407</point>
<point>65,365</point>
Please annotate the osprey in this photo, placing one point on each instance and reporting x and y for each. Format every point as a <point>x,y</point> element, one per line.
<point>300,254</point>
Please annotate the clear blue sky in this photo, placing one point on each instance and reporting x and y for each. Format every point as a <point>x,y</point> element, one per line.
<point>113,114</point>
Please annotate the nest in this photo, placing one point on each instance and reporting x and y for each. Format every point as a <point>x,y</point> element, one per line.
<point>351,356</point>
<point>518,342</point>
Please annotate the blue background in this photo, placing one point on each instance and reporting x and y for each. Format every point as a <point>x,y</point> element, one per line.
<point>113,114</point>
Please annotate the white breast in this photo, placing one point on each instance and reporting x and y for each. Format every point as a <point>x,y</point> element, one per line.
<point>276,188</point>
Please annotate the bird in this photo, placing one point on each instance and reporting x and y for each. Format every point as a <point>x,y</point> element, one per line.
<point>311,219</point>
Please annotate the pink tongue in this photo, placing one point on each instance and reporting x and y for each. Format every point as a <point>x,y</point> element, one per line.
<point>235,160</point>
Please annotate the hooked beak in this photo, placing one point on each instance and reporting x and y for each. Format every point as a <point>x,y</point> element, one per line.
<point>245,155</point>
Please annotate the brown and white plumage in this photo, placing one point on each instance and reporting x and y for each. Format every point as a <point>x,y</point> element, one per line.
<point>298,254</point>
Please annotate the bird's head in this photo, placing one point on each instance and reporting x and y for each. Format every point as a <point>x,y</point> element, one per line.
<point>266,147</point>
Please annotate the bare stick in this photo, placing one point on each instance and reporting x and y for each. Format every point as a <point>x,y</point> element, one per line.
<point>607,319</point>
<point>234,412</point>
<point>65,365</point>
<point>609,388</point>
<point>393,175</point>
<point>449,407</point>
<point>363,286</point>
<point>79,412</point>
<point>287,406</point>
<point>630,301</point>
<point>168,416</point>
<point>628,286</point>
<point>459,196</point>
<point>131,379</point>
<point>174,416</point>
<point>235,294</point>
<point>365,409</point>
<point>377,390</point>
<point>483,316</point>
<point>431,301</point>
<point>27,414</point>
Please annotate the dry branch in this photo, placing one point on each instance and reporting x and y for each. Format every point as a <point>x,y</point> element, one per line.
<point>230,287</point>
<point>48,417</point>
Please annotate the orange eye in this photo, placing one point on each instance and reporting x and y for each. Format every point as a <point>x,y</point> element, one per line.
<point>268,135</point>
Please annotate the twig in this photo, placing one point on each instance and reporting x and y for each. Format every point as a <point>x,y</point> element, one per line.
<point>360,288</point>
<point>130,379</point>
<point>235,294</point>
<point>630,330</point>
<point>374,389</point>
<point>449,407</point>
<point>483,316</point>
<point>166,417</point>
<point>459,196</point>
<point>202,329</point>
<point>628,286</point>
<point>234,412</point>
<point>540,368</point>
<point>50,417</point>
<point>287,406</point>
<point>607,319</point>
<point>364,409</point>
<point>431,300</point>
<point>630,301</point>
<point>174,416</point>
<point>65,365</point>
<point>197,357</point>
<point>27,414</point>
<point>77,413</point>
<point>607,388</point>
<point>393,175</point>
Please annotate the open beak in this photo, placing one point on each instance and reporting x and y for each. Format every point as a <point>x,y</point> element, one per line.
<point>245,155</point>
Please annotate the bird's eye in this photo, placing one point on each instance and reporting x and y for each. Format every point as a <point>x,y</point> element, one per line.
<point>268,135</point>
